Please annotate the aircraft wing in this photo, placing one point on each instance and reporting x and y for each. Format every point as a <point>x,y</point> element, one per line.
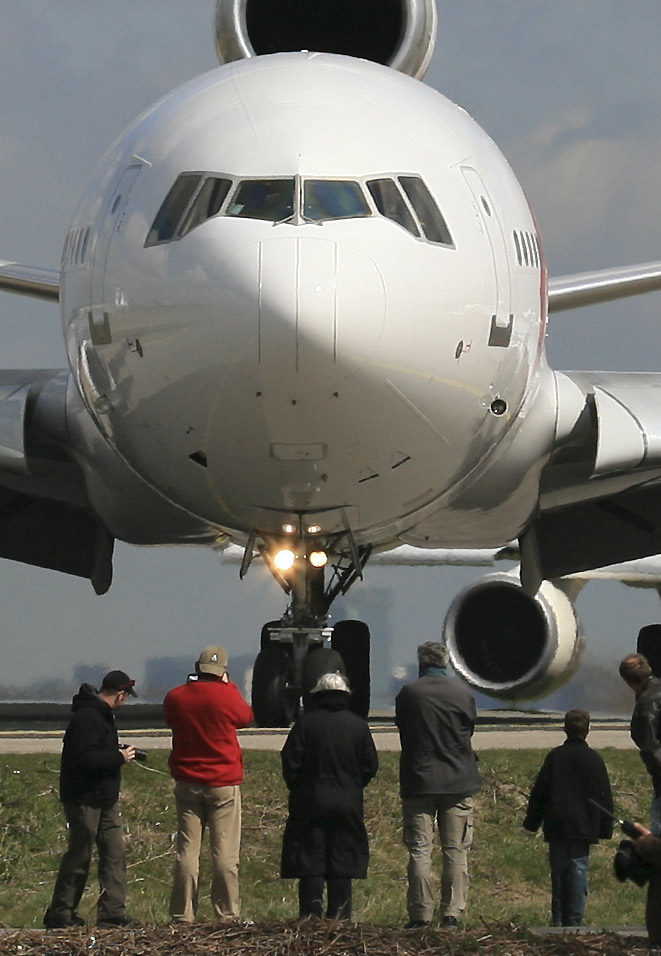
<point>600,493</point>
<point>45,518</point>
<point>28,280</point>
<point>591,288</point>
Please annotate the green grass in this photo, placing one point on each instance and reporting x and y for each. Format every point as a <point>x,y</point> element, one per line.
<point>509,870</point>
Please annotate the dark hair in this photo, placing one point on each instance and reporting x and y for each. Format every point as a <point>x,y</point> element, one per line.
<point>635,669</point>
<point>432,654</point>
<point>577,724</point>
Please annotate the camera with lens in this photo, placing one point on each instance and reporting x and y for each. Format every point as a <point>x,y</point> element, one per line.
<point>139,754</point>
<point>627,865</point>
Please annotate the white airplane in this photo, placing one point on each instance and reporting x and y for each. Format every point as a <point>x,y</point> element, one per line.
<point>304,300</point>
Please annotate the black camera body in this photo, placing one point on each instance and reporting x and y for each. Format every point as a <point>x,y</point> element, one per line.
<point>139,754</point>
<point>627,865</point>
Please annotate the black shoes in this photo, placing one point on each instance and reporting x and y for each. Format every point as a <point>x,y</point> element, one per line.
<point>119,922</point>
<point>448,922</point>
<point>57,921</point>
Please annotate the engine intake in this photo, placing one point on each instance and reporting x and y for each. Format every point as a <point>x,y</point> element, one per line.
<point>509,645</point>
<point>397,33</point>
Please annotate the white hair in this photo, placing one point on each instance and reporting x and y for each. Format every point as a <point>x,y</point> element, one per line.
<point>335,681</point>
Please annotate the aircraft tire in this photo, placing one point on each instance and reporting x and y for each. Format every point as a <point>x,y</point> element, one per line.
<point>265,639</point>
<point>320,660</point>
<point>649,645</point>
<point>352,640</point>
<point>273,702</point>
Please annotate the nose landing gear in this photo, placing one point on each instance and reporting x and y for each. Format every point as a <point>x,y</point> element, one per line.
<point>299,648</point>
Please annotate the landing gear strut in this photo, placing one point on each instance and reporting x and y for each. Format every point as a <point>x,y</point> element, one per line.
<point>299,648</point>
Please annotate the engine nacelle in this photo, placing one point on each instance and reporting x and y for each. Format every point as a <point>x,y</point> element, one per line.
<point>397,33</point>
<point>509,645</point>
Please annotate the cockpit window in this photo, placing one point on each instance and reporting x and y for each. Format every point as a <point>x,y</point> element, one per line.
<point>206,204</point>
<point>174,205</point>
<point>429,215</point>
<point>390,203</point>
<point>325,199</point>
<point>268,199</point>
<point>197,197</point>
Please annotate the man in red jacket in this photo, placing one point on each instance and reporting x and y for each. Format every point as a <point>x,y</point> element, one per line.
<point>207,765</point>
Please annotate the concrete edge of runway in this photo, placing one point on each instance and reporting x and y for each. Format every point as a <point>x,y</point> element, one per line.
<point>533,735</point>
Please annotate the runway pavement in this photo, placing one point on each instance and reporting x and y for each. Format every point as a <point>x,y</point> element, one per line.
<point>488,737</point>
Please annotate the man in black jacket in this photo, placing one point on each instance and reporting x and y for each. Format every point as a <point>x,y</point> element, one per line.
<point>90,777</point>
<point>438,776</point>
<point>636,672</point>
<point>572,776</point>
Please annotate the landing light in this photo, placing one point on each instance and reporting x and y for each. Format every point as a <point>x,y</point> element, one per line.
<point>284,560</point>
<point>289,528</point>
<point>318,559</point>
<point>314,528</point>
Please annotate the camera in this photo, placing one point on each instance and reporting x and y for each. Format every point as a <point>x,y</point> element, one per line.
<point>627,865</point>
<point>139,754</point>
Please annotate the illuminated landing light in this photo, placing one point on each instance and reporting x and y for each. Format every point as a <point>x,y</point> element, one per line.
<point>318,559</point>
<point>284,560</point>
<point>289,528</point>
<point>314,528</point>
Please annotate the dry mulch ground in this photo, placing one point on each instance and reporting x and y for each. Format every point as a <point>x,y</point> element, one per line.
<point>311,938</point>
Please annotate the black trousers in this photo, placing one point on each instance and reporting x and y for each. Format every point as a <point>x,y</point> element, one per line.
<point>89,826</point>
<point>311,893</point>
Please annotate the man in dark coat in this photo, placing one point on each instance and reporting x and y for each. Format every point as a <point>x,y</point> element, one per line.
<point>571,776</point>
<point>636,672</point>
<point>90,777</point>
<point>327,760</point>
<point>438,776</point>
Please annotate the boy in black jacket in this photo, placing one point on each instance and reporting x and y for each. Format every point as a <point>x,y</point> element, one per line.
<point>570,777</point>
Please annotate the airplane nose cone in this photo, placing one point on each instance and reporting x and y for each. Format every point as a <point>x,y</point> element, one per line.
<point>314,300</point>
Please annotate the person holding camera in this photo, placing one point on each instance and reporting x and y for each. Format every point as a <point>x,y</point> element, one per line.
<point>573,800</point>
<point>641,863</point>
<point>90,776</point>
<point>206,763</point>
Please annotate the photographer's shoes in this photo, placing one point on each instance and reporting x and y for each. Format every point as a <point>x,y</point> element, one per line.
<point>119,922</point>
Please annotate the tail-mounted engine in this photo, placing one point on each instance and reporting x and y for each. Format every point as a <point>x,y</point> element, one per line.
<point>509,645</point>
<point>397,33</point>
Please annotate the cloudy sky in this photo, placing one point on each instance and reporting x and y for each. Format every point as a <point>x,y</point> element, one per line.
<point>571,93</point>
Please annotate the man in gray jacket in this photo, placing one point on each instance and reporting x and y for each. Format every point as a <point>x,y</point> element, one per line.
<point>438,776</point>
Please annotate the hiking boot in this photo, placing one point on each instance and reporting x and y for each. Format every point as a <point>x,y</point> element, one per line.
<point>450,922</point>
<point>118,922</point>
<point>62,920</point>
<point>418,924</point>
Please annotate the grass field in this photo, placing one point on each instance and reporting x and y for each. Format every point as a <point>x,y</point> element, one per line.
<point>509,871</point>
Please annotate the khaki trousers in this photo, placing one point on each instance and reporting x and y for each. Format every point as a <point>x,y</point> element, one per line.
<point>454,816</point>
<point>219,809</point>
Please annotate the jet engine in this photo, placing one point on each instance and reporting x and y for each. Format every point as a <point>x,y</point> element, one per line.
<point>397,33</point>
<point>509,645</point>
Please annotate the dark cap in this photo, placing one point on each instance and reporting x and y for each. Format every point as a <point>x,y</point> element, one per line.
<point>118,680</point>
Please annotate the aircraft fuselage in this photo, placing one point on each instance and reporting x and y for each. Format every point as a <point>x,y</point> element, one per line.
<point>344,353</point>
